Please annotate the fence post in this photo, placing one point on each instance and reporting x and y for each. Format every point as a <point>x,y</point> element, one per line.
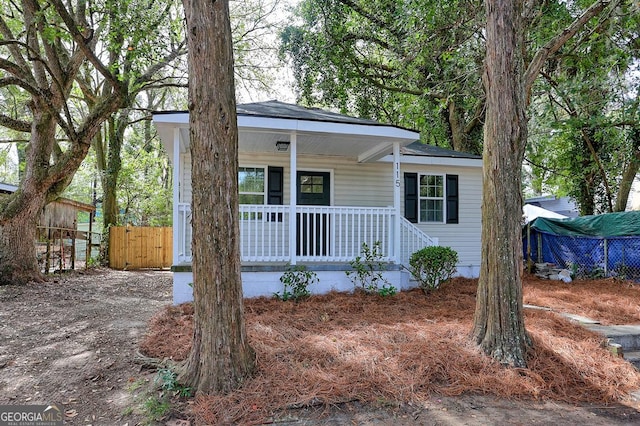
<point>48,255</point>
<point>539,247</point>
<point>73,245</point>
<point>61,263</point>
<point>89,240</point>
<point>529,260</point>
<point>606,258</point>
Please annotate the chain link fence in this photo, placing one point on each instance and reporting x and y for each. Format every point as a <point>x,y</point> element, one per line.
<point>586,257</point>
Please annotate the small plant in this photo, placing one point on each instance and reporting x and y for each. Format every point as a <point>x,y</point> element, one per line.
<point>387,290</point>
<point>296,281</point>
<point>432,266</point>
<point>168,380</point>
<point>93,262</point>
<point>156,408</point>
<point>367,271</point>
<point>596,273</point>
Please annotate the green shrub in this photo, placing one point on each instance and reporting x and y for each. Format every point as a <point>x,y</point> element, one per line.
<point>367,271</point>
<point>296,279</point>
<point>433,266</point>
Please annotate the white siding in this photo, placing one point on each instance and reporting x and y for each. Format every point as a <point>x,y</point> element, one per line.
<point>353,184</point>
<point>370,185</point>
<point>464,237</point>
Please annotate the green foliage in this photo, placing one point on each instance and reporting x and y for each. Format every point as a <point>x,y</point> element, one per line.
<point>168,381</point>
<point>8,168</point>
<point>155,409</point>
<point>154,402</point>
<point>584,110</point>
<point>367,271</point>
<point>393,61</point>
<point>93,262</point>
<point>296,280</point>
<point>432,266</point>
<point>144,184</point>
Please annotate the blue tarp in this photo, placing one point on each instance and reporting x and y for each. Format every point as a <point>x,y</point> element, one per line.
<point>588,255</point>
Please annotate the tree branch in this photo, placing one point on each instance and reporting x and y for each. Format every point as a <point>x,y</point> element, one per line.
<point>13,124</point>
<point>559,40</point>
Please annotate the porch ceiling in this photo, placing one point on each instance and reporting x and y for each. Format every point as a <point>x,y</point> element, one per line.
<point>260,134</point>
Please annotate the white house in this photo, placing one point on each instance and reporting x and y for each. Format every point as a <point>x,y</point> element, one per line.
<point>314,185</point>
<point>633,203</point>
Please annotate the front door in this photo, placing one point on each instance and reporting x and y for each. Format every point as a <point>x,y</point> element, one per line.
<point>314,189</point>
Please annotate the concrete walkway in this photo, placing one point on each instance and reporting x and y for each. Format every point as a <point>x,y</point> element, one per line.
<point>625,338</point>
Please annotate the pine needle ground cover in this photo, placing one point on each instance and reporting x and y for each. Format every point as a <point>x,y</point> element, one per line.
<point>407,348</point>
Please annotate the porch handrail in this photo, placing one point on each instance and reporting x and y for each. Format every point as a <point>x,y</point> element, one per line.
<point>413,239</point>
<point>324,233</point>
<point>336,233</point>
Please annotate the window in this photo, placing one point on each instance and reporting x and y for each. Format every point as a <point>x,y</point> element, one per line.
<point>431,198</point>
<point>251,185</point>
<point>311,184</point>
<point>251,190</point>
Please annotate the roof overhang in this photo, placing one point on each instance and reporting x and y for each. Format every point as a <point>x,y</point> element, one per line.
<point>6,188</point>
<point>435,160</point>
<point>365,142</point>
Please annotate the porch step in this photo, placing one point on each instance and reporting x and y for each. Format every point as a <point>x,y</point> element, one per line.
<point>628,336</point>
<point>633,358</point>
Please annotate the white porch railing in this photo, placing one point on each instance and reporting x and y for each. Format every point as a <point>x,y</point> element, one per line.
<point>324,234</point>
<point>413,239</point>
<point>182,234</point>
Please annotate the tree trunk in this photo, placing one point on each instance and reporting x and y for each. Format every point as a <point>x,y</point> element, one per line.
<point>18,261</point>
<point>499,320</point>
<point>111,167</point>
<point>220,357</point>
<point>629,174</point>
<point>462,134</point>
<point>20,212</point>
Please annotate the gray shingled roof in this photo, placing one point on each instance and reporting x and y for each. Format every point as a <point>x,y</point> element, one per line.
<point>420,149</point>
<point>277,109</point>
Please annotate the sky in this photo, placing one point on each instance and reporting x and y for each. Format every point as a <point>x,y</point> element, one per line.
<point>281,74</point>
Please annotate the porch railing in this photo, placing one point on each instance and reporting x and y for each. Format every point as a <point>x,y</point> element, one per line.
<point>325,234</point>
<point>412,239</point>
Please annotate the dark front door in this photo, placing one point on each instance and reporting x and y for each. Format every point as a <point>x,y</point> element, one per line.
<point>314,189</point>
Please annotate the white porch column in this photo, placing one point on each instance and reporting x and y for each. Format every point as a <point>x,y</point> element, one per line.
<point>177,224</point>
<point>293,195</point>
<point>396,202</point>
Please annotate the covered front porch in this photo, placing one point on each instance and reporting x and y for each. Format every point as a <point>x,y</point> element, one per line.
<point>314,186</point>
<point>330,234</point>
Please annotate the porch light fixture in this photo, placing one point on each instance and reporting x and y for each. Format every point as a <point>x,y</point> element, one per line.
<point>282,146</point>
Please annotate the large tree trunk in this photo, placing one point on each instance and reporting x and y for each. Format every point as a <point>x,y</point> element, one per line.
<point>220,357</point>
<point>499,320</point>
<point>18,262</point>
<point>19,214</point>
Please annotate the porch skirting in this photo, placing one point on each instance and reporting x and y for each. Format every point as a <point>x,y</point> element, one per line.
<point>264,280</point>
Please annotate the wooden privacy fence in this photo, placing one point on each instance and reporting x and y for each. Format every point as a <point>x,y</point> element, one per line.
<point>137,247</point>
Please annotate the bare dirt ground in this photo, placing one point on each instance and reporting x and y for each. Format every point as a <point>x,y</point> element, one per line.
<point>73,340</point>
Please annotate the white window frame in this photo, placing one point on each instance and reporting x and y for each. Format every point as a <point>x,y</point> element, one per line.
<point>443,198</point>
<point>265,170</point>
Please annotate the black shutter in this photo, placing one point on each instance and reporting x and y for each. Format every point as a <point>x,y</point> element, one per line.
<point>452,198</point>
<point>276,186</point>
<point>411,197</point>
<point>275,190</point>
